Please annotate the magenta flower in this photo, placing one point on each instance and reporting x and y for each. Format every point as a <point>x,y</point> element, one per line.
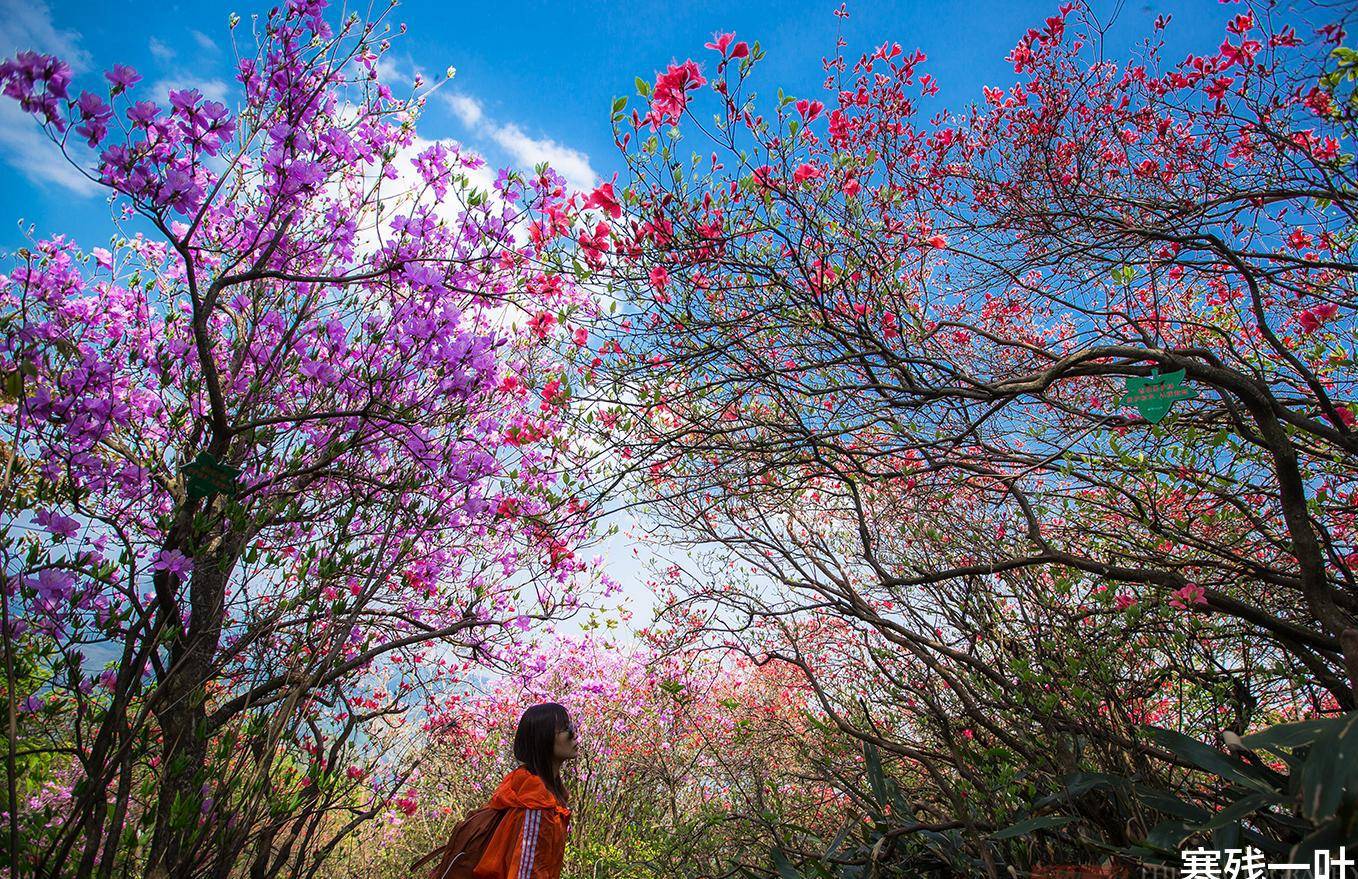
<point>720,42</point>
<point>172,561</point>
<point>185,100</point>
<point>95,116</point>
<point>670,96</point>
<point>122,77</point>
<point>1189,596</point>
<point>604,199</point>
<point>143,112</point>
<point>54,586</point>
<point>60,526</point>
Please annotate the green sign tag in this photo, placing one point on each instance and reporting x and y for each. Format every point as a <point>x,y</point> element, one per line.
<point>208,476</point>
<point>1153,396</point>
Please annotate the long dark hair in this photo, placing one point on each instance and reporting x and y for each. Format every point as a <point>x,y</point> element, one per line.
<point>535,742</point>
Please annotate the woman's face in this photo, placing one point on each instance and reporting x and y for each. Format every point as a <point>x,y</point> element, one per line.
<point>566,745</point>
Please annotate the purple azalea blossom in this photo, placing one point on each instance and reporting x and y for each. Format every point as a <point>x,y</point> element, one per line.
<point>61,526</point>
<point>173,561</point>
<point>54,585</point>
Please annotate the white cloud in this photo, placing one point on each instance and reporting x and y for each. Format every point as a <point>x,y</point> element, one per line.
<point>388,73</point>
<point>26,148</point>
<point>528,151</point>
<point>467,109</point>
<point>160,51</point>
<point>206,43</point>
<point>398,75</point>
<point>28,25</point>
<point>525,150</point>
<point>212,89</point>
<point>398,195</point>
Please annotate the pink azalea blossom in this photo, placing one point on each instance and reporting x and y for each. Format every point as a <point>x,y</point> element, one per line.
<point>1191,595</point>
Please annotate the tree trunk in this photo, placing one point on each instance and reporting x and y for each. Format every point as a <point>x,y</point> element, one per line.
<point>182,712</point>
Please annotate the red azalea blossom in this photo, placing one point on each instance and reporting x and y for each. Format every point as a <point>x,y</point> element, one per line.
<point>669,96</point>
<point>603,199</point>
<point>541,324</point>
<point>720,42</point>
<point>1311,319</point>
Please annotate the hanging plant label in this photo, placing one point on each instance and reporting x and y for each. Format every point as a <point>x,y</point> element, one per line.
<point>1154,396</point>
<point>207,476</point>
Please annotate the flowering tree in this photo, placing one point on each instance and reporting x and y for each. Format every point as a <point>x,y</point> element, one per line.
<point>286,455</point>
<point>881,360</point>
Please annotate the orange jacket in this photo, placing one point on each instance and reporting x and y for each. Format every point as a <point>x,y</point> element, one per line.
<point>530,841</point>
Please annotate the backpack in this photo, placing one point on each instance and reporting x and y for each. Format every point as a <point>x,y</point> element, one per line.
<point>465,845</point>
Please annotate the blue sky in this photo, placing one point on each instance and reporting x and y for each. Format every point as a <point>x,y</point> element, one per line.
<point>535,79</point>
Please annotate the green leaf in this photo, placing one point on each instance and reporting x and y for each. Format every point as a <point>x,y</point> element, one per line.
<point>619,104</point>
<point>1210,759</point>
<point>1288,735</point>
<point>1329,835</point>
<point>1080,783</point>
<point>643,87</point>
<point>1161,801</point>
<point>838,840</point>
<point>1023,828</point>
<point>1166,837</point>
<point>1239,809</point>
<point>876,777</point>
<point>1330,774</point>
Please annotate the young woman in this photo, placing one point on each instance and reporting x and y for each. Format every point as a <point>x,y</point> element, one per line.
<point>530,841</point>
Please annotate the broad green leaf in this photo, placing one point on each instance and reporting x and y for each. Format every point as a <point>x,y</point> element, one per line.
<point>1287,735</point>
<point>1168,803</point>
<point>784,866</point>
<point>1330,774</point>
<point>1167,836</point>
<point>1042,822</point>
<point>1210,759</point>
<point>1080,783</point>
<point>876,777</point>
<point>1239,809</point>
